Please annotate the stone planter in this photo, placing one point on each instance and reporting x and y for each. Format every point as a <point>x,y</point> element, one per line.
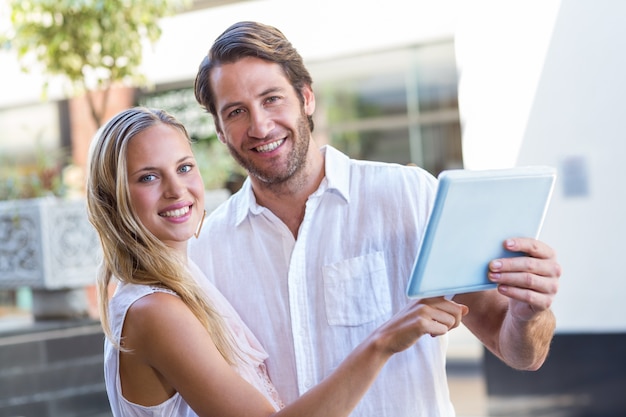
<point>48,245</point>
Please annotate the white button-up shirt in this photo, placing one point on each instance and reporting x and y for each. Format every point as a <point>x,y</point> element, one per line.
<point>310,301</point>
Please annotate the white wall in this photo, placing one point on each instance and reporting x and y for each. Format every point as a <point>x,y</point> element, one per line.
<point>544,83</point>
<point>318,29</point>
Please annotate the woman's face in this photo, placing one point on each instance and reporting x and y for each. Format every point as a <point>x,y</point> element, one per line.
<point>166,189</point>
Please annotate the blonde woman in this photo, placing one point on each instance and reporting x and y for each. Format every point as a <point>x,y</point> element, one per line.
<point>175,346</point>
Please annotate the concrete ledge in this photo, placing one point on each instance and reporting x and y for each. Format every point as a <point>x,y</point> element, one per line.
<point>584,376</point>
<point>53,369</point>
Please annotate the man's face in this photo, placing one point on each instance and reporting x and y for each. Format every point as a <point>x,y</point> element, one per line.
<point>261,118</point>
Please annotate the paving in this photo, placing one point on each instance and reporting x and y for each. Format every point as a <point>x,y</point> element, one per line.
<point>466,381</point>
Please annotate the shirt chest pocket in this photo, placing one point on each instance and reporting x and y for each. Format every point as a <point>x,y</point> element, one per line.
<point>356,290</point>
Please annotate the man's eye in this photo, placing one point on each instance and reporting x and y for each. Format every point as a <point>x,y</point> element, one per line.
<point>235,112</point>
<point>272,99</point>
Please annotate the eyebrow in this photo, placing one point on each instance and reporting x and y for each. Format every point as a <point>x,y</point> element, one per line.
<point>151,168</point>
<point>261,94</point>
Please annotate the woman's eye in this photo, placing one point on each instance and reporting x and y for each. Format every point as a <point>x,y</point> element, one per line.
<point>147,178</point>
<point>186,168</point>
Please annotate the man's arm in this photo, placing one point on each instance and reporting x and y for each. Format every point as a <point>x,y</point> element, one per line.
<point>515,321</point>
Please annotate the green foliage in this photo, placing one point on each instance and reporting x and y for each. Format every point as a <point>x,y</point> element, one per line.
<point>40,179</point>
<point>215,163</point>
<point>91,43</point>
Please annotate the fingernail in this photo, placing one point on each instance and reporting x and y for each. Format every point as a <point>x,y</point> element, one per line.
<point>510,243</point>
<point>496,265</point>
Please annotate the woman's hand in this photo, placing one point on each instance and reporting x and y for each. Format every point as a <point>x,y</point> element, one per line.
<point>433,316</point>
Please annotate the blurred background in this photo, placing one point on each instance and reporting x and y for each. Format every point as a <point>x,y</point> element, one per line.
<point>441,84</point>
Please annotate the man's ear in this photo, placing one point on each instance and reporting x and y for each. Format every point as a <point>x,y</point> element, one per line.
<point>220,136</point>
<point>219,131</point>
<point>309,100</point>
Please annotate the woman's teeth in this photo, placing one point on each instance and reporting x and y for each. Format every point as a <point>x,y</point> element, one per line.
<point>175,213</point>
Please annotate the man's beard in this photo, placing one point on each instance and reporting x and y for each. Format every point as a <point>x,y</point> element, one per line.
<point>295,161</point>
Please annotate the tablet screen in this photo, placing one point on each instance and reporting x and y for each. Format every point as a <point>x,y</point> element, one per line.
<point>473,214</point>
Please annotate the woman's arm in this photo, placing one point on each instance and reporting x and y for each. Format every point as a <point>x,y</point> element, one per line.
<point>166,336</point>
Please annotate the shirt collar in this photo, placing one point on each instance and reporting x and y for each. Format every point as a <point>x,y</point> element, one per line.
<point>337,171</point>
<point>244,202</point>
<point>337,178</point>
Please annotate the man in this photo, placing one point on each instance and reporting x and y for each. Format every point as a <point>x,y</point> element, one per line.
<point>316,249</point>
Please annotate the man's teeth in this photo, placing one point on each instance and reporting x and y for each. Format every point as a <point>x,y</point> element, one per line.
<point>270,146</point>
<point>176,213</point>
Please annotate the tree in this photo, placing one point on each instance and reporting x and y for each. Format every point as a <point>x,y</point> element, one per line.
<point>93,44</point>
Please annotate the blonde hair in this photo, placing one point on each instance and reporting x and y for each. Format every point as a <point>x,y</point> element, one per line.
<point>131,253</point>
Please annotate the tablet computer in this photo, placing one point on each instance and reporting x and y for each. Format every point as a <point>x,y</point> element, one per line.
<point>473,214</point>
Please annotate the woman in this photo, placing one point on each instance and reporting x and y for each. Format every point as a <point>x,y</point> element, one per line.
<point>175,346</point>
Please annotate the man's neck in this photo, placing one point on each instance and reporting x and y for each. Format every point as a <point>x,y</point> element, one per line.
<point>288,200</point>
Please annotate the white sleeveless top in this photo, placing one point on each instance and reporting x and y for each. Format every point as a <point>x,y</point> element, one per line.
<point>251,366</point>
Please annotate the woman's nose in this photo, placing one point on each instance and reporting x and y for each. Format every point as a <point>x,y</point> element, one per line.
<point>174,188</point>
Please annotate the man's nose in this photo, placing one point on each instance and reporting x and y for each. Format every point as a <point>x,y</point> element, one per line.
<point>260,124</point>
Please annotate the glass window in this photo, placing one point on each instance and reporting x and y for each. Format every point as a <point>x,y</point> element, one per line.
<point>365,97</point>
<point>435,77</point>
<point>388,145</point>
<point>392,106</point>
<point>441,147</point>
<point>182,103</point>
